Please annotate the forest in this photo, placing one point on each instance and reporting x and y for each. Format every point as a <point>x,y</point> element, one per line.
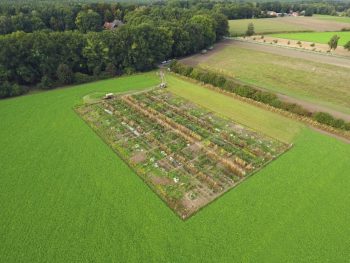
<point>68,45</point>
<point>48,44</point>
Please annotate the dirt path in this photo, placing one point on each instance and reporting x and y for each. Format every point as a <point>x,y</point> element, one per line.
<point>312,107</point>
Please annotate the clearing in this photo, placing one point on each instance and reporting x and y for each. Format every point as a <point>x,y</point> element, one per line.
<point>66,196</point>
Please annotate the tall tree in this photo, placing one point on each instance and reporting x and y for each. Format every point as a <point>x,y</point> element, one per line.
<point>250,30</point>
<point>88,21</point>
<point>333,42</point>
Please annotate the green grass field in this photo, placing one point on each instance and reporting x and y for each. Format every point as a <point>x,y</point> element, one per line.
<point>269,123</point>
<point>342,19</point>
<point>66,197</point>
<point>326,85</point>
<point>317,37</point>
<point>263,26</point>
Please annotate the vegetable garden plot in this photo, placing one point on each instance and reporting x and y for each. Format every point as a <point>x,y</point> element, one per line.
<point>187,155</point>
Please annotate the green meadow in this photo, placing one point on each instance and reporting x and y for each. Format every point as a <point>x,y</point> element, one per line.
<point>326,85</point>
<point>317,37</point>
<point>66,197</point>
<point>263,26</point>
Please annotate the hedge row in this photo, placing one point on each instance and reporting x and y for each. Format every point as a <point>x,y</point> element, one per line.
<point>255,94</point>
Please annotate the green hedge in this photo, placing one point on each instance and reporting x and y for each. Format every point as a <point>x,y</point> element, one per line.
<point>247,91</point>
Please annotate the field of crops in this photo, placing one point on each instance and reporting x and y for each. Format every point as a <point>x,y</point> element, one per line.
<point>66,196</point>
<point>317,37</point>
<point>186,154</point>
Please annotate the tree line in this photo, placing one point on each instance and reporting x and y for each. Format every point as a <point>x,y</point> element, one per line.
<point>247,91</point>
<point>46,59</point>
<point>30,16</point>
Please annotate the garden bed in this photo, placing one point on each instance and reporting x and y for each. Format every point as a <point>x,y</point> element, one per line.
<point>186,154</point>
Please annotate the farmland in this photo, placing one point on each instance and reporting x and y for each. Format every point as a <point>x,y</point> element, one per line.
<point>342,19</point>
<point>289,24</point>
<point>186,154</point>
<point>316,37</point>
<point>263,26</point>
<point>67,197</point>
<point>285,75</point>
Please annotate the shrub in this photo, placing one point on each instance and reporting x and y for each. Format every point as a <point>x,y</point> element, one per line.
<point>288,43</point>
<point>250,31</point>
<point>299,43</point>
<point>220,81</point>
<point>97,71</point>
<point>188,71</point>
<point>64,74</point>
<point>230,85</point>
<point>245,91</point>
<point>5,89</point>
<point>111,70</point>
<point>17,90</point>
<point>275,41</point>
<point>46,83</point>
<point>347,46</point>
<point>324,118</point>
<point>347,126</point>
<point>312,44</point>
<point>82,78</point>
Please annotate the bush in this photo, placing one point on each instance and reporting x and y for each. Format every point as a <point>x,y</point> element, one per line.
<point>46,83</point>
<point>347,126</point>
<point>17,90</point>
<point>82,78</point>
<point>64,74</point>
<point>245,91</point>
<point>230,85</point>
<point>5,89</point>
<point>312,44</point>
<point>324,118</point>
<point>97,71</point>
<point>220,81</point>
<point>111,70</point>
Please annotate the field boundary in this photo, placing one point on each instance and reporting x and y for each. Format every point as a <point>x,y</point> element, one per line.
<point>286,47</point>
<point>306,120</point>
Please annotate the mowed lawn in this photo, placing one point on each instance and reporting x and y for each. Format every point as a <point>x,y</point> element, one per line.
<point>263,26</point>
<point>322,84</point>
<point>271,124</point>
<point>66,197</point>
<point>317,37</point>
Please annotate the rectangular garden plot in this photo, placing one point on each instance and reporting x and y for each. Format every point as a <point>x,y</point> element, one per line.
<point>186,154</point>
